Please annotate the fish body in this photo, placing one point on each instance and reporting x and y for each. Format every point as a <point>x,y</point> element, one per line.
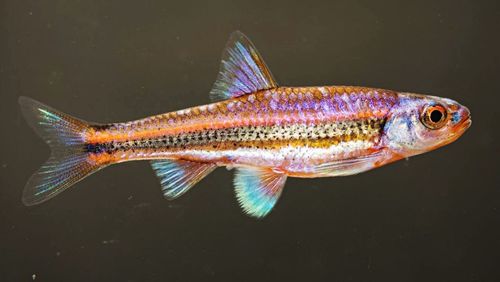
<point>291,129</point>
<point>264,131</point>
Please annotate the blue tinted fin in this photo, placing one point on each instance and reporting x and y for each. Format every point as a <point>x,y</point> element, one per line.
<point>242,70</point>
<point>258,189</point>
<point>68,162</point>
<point>177,176</point>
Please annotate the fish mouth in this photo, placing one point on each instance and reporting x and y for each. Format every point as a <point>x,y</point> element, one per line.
<point>465,122</point>
<point>464,125</point>
<point>457,131</point>
<point>460,128</point>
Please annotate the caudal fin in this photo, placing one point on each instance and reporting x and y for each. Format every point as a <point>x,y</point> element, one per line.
<point>68,162</point>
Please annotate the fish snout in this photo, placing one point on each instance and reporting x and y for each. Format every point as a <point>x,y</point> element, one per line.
<point>461,118</point>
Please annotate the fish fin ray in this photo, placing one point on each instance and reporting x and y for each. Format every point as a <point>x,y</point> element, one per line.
<point>178,176</point>
<point>258,189</point>
<point>242,70</point>
<point>68,162</point>
<point>348,166</point>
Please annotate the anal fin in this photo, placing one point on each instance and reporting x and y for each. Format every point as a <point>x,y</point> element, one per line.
<point>178,176</point>
<point>258,189</point>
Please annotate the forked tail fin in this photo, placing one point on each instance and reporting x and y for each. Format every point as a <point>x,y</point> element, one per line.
<point>68,162</point>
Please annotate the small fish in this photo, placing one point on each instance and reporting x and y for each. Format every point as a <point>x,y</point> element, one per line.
<point>264,131</point>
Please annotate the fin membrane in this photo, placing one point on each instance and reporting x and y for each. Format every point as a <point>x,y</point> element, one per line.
<point>258,189</point>
<point>348,166</point>
<point>68,162</point>
<point>242,70</point>
<point>178,176</point>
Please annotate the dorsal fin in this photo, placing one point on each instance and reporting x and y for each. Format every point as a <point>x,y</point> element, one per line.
<point>258,189</point>
<point>242,70</point>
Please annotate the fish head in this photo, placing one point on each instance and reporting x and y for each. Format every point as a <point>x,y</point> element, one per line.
<point>420,123</point>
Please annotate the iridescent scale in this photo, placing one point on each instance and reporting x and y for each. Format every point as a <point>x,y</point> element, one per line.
<point>294,129</point>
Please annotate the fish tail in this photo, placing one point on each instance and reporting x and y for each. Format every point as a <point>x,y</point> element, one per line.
<point>68,162</point>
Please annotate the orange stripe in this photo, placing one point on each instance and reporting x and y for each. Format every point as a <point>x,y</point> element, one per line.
<point>94,136</point>
<point>222,118</point>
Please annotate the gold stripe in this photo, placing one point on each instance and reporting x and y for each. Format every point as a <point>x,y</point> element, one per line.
<point>314,136</point>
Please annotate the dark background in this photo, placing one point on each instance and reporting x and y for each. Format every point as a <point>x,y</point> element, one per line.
<point>435,217</point>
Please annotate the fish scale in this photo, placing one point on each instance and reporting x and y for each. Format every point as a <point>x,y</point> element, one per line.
<point>342,115</point>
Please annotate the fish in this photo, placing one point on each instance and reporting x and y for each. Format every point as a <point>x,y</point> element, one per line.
<point>265,132</point>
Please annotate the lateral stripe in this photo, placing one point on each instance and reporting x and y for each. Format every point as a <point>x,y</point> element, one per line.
<point>273,136</point>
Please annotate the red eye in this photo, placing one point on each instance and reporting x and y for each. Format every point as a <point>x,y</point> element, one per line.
<point>434,117</point>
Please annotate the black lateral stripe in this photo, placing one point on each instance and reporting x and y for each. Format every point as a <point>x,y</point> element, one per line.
<point>94,148</point>
<point>334,131</point>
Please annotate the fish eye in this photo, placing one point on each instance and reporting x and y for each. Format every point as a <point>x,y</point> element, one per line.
<point>434,116</point>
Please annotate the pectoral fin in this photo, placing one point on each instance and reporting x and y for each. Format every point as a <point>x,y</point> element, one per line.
<point>258,189</point>
<point>349,166</point>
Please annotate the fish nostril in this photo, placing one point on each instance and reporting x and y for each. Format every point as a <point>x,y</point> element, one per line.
<point>456,117</point>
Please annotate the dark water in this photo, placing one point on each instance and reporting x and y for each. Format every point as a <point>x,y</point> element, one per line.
<point>435,217</point>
